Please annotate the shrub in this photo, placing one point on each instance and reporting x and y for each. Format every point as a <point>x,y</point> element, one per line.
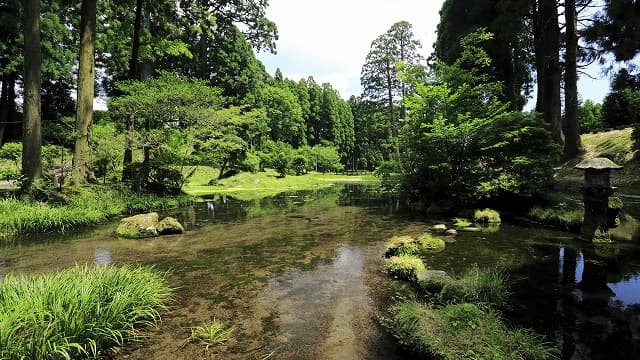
<point>404,267</point>
<point>281,164</point>
<point>299,164</point>
<point>12,151</point>
<point>463,331</point>
<point>487,216</point>
<point>401,245</point>
<point>79,312</point>
<point>427,242</point>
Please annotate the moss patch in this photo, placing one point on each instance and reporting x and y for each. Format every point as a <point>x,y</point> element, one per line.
<point>401,245</point>
<point>427,242</point>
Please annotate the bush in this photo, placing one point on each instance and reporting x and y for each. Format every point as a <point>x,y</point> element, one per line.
<point>463,331</point>
<point>154,179</point>
<point>404,267</point>
<point>487,216</point>
<point>12,151</point>
<point>299,164</point>
<point>281,164</point>
<point>80,312</point>
<point>401,245</point>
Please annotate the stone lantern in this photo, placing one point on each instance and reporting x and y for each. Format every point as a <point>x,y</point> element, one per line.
<point>596,192</point>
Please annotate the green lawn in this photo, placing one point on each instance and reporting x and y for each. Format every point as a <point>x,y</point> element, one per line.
<point>248,186</point>
<point>609,142</point>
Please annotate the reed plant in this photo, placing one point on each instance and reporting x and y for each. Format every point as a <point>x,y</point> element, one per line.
<point>80,312</point>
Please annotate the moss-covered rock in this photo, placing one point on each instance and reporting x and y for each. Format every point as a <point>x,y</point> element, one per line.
<point>404,267</point>
<point>169,225</point>
<point>139,226</point>
<point>401,245</point>
<point>428,242</point>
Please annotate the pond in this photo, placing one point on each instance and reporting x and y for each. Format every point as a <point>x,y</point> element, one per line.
<point>299,276</point>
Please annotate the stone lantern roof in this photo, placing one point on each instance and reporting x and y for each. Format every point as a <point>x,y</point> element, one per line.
<point>598,164</point>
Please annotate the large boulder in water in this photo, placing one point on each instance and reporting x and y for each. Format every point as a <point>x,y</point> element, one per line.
<point>169,225</point>
<point>139,226</point>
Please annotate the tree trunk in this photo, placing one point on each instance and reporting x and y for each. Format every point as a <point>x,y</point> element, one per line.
<point>86,80</point>
<point>32,137</point>
<point>572,140</point>
<point>538,40</point>
<point>552,73</point>
<point>134,73</point>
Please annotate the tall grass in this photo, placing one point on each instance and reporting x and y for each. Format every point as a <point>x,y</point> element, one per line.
<point>79,312</point>
<point>89,206</point>
<point>463,331</point>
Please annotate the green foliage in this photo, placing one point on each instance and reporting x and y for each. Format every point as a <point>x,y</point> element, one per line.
<point>107,145</point>
<point>299,163</point>
<point>387,172</point>
<point>590,117</point>
<point>284,114</point>
<point>487,216</point>
<point>463,331</point>
<point>461,142</point>
<point>404,267</point>
<point>621,107</point>
<point>12,151</point>
<point>208,335</point>
<point>601,237</point>
<point>281,163</point>
<point>79,312</point>
<point>326,158</point>
<point>12,175</point>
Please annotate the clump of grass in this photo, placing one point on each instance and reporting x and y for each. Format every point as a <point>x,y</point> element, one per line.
<point>401,245</point>
<point>562,216</point>
<point>463,331</point>
<point>80,312</point>
<point>487,216</point>
<point>208,335</point>
<point>89,206</point>
<point>404,267</point>
<point>476,286</point>
<point>428,242</point>
<point>461,223</point>
<point>601,237</point>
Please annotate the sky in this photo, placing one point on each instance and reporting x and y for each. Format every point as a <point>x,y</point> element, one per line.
<point>330,39</point>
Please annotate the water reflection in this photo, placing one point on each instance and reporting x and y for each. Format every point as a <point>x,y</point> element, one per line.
<point>102,255</point>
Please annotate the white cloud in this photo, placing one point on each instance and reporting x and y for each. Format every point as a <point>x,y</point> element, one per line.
<point>330,39</point>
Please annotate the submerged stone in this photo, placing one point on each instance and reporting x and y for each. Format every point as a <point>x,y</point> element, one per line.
<point>451,232</point>
<point>169,226</point>
<point>139,226</point>
<point>471,229</point>
<point>439,227</point>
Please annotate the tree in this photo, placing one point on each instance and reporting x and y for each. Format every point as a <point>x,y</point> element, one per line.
<point>285,115</point>
<point>572,143</point>
<point>509,50</point>
<point>32,138</point>
<point>86,80</point>
<point>380,74</point>
<point>590,115</point>
<point>616,30</point>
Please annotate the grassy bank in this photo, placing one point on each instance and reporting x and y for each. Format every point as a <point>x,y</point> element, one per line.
<point>88,206</point>
<point>249,186</point>
<point>81,312</point>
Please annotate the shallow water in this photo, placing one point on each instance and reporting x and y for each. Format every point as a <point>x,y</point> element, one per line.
<point>299,277</point>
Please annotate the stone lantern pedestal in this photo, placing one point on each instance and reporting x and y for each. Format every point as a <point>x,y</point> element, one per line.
<point>596,192</point>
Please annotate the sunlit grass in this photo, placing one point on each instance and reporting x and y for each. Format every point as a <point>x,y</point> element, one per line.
<point>404,267</point>
<point>80,312</point>
<point>487,216</point>
<point>609,142</point>
<point>250,186</point>
<point>463,331</point>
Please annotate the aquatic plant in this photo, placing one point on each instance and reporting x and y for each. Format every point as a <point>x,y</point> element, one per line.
<point>208,335</point>
<point>463,331</point>
<point>427,241</point>
<point>404,267</point>
<point>401,245</point>
<point>487,216</point>
<point>79,312</point>
<point>461,223</point>
<point>476,286</point>
<point>601,237</point>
